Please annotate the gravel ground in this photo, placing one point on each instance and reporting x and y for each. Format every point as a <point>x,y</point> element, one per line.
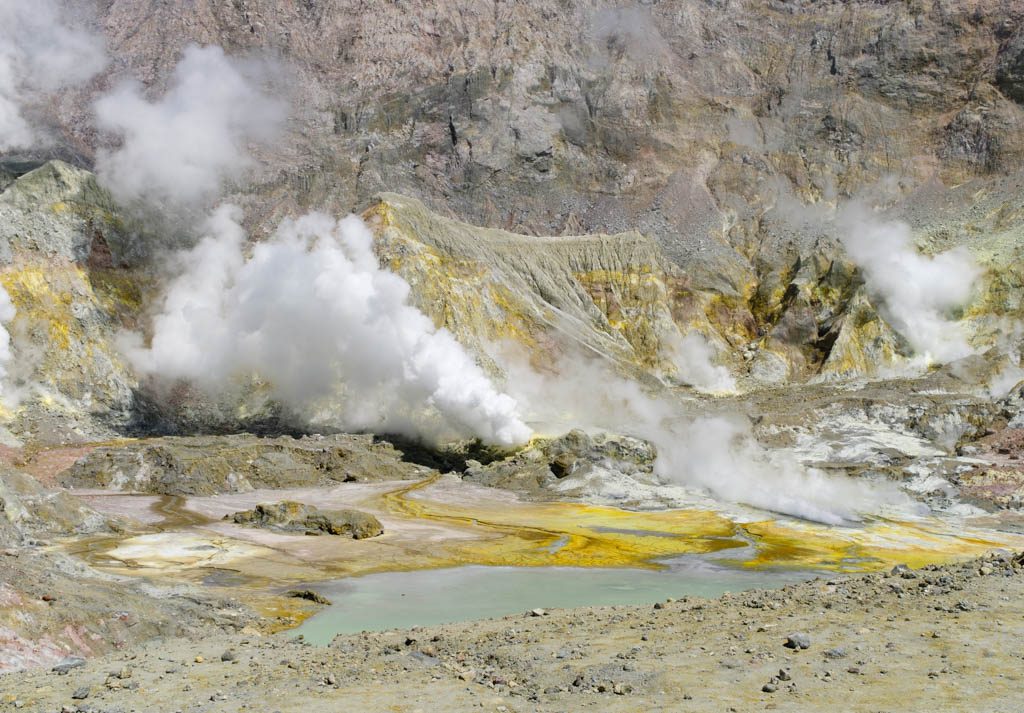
<point>947,638</point>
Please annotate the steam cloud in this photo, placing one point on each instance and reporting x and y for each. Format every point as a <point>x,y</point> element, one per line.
<point>917,292</point>
<point>1005,380</point>
<point>313,314</point>
<point>178,151</point>
<point>719,454</point>
<point>694,360</point>
<point>39,53</point>
<point>6,315</point>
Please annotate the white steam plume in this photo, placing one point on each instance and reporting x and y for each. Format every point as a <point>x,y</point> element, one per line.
<point>39,53</point>
<point>916,292</point>
<point>719,454</point>
<point>1005,380</point>
<point>313,315</point>
<point>1010,373</point>
<point>694,358</point>
<point>6,315</point>
<point>178,151</point>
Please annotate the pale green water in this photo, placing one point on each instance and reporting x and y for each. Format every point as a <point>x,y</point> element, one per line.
<point>401,600</point>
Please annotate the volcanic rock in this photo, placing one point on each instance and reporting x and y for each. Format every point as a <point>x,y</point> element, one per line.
<point>291,516</point>
<point>204,465</point>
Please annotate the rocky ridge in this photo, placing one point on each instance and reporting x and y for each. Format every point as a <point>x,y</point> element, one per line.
<point>204,465</point>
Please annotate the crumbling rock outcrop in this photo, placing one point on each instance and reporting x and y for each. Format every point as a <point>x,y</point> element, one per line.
<point>500,293</point>
<point>27,509</point>
<point>1010,68</point>
<point>205,465</point>
<point>290,516</point>
<point>66,274</point>
<point>547,464</point>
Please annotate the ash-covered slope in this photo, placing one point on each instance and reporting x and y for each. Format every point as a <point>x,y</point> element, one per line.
<point>608,295</point>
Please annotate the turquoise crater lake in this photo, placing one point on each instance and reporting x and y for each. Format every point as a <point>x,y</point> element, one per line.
<point>402,600</point>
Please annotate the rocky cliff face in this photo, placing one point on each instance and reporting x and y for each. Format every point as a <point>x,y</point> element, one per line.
<point>72,275</point>
<point>695,123</point>
<point>718,129</point>
<point>605,294</point>
<point>684,154</point>
<point>66,272</point>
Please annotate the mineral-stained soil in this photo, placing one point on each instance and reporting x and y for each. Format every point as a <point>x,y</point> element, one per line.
<point>172,608</point>
<point>53,606</point>
<point>937,639</point>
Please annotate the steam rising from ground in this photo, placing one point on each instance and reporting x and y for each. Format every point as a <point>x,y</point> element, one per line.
<point>313,315</point>
<point>39,53</point>
<point>715,453</point>
<point>917,292</point>
<point>694,360</point>
<point>178,151</point>
<point>6,315</point>
<point>1004,381</point>
<point>1010,372</point>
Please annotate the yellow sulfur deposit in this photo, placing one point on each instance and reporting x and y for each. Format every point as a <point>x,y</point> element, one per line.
<point>579,535</point>
<point>430,524</point>
<point>568,534</point>
<point>875,545</point>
